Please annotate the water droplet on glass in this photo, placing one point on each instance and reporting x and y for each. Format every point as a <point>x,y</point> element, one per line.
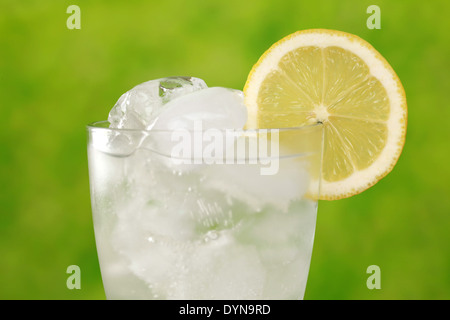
<point>211,235</point>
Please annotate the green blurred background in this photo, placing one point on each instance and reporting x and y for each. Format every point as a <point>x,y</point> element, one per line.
<point>53,81</point>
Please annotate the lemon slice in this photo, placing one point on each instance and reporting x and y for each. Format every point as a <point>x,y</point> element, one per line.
<point>340,80</point>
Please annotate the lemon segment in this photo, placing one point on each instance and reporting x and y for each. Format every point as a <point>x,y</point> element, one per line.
<point>339,80</point>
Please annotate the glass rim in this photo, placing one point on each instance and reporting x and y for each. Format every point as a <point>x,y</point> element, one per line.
<point>96,126</point>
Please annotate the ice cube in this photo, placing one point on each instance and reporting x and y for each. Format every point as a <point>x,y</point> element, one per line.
<point>183,130</point>
<point>220,269</point>
<point>246,184</point>
<point>218,108</point>
<point>139,107</point>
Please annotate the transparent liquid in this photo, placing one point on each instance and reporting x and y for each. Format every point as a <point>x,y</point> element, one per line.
<point>200,231</point>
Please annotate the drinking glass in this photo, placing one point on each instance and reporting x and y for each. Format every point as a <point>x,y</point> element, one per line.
<point>206,214</point>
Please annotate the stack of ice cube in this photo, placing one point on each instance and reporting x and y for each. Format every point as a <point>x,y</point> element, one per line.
<point>174,215</point>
